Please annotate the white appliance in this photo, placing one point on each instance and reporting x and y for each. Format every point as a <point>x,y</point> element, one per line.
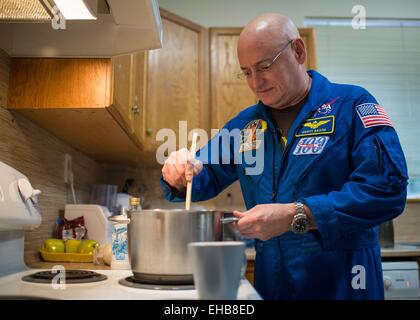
<point>19,211</point>
<point>401,280</point>
<point>122,27</point>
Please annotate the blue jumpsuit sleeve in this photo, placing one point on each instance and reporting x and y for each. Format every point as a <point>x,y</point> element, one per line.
<point>377,187</point>
<point>219,170</point>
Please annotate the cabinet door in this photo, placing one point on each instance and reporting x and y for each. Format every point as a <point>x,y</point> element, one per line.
<point>175,77</point>
<point>122,87</point>
<point>138,95</point>
<point>308,37</point>
<point>230,95</point>
<point>5,62</point>
<point>59,83</point>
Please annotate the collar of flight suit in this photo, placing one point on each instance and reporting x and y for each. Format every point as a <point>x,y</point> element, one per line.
<point>318,94</point>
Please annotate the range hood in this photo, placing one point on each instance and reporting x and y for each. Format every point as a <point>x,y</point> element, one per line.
<point>119,27</point>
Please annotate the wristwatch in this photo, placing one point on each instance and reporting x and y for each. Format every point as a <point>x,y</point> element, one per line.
<point>300,222</point>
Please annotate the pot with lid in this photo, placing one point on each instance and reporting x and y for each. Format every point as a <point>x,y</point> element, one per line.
<point>158,241</point>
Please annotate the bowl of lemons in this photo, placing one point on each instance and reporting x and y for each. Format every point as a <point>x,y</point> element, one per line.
<point>71,250</point>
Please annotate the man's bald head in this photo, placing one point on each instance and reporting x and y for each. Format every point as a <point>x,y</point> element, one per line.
<point>278,81</point>
<point>268,28</point>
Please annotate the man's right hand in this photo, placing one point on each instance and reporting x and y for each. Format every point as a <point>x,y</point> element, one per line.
<point>180,168</point>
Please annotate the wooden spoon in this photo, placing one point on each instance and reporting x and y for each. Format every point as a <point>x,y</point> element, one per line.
<point>189,184</point>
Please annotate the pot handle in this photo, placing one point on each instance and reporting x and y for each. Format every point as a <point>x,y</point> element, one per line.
<point>119,219</point>
<point>228,220</point>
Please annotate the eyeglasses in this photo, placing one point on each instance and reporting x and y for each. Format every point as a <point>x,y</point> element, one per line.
<point>262,67</point>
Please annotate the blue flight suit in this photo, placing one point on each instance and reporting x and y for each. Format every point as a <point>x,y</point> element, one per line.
<point>345,162</point>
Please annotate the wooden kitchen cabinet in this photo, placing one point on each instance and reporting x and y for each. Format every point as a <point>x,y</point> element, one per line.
<point>128,93</point>
<point>138,95</point>
<point>74,99</point>
<point>308,37</point>
<point>122,70</point>
<point>156,89</point>
<point>4,77</point>
<point>177,80</point>
<point>112,108</point>
<point>230,95</point>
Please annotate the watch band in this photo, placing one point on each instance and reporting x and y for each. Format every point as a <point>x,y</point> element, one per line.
<point>300,208</point>
<point>300,222</point>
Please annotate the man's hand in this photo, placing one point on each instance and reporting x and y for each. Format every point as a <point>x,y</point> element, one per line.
<point>265,221</point>
<point>180,168</point>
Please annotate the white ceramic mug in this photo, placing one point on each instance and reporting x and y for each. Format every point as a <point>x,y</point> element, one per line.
<point>218,267</point>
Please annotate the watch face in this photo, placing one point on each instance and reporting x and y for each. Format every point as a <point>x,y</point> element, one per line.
<point>301,224</point>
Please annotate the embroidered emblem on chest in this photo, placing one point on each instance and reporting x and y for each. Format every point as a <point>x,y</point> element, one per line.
<point>310,145</point>
<point>325,109</point>
<point>252,135</point>
<point>317,126</point>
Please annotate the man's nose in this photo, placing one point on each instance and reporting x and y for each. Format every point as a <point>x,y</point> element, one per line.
<point>256,80</point>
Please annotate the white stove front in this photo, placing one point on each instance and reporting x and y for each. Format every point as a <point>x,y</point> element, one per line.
<point>12,286</point>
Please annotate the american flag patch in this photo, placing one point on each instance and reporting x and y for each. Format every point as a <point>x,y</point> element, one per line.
<point>373,115</point>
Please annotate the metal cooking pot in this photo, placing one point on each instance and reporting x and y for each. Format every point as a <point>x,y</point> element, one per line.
<point>158,241</point>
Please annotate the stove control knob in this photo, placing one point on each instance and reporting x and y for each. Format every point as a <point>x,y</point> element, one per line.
<point>387,283</point>
<point>26,190</point>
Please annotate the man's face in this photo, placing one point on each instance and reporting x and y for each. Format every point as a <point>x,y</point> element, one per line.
<point>276,85</point>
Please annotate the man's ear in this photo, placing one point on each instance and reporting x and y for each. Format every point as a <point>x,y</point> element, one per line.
<point>299,50</point>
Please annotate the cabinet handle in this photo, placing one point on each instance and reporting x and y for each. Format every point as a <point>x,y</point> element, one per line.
<point>149,132</point>
<point>135,109</point>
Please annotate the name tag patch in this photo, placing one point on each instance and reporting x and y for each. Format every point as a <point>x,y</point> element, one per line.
<point>310,145</point>
<point>316,126</point>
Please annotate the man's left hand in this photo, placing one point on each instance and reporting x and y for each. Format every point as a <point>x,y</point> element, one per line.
<point>265,221</point>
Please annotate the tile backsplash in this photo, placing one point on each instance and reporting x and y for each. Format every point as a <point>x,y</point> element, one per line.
<point>40,156</point>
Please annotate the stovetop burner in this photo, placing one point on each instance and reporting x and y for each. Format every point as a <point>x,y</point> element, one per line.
<point>132,282</point>
<point>71,276</point>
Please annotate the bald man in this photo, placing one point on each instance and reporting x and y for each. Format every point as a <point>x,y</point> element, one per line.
<point>333,171</point>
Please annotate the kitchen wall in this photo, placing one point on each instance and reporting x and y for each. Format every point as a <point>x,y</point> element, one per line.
<point>40,156</point>
<point>232,13</point>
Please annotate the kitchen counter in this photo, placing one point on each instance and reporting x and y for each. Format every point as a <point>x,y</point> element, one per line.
<point>12,286</point>
<point>68,265</point>
<point>399,250</point>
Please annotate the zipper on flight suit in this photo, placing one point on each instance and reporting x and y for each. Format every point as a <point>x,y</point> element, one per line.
<point>278,147</point>
<point>286,149</point>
